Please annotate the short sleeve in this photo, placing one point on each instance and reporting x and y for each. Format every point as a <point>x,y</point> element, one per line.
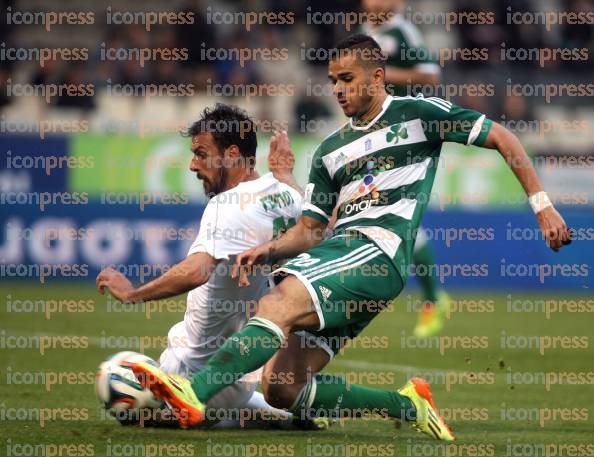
<point>445,121</point>
<point>296,208</point>
<point>320,193</point>
<point>212,237</point>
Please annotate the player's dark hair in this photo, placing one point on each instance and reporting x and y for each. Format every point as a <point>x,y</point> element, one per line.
<point>363,47</point>
<point>229,125</point>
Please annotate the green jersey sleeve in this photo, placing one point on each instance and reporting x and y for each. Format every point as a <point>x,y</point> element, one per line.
<point>403,44</point>
<point>444,121</point>
<point>410,57</point>
<point>321,191</point>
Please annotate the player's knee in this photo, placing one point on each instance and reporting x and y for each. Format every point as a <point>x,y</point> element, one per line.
<point>280,395</point>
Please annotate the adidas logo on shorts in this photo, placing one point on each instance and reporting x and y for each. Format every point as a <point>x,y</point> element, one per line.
<point>325,292</point>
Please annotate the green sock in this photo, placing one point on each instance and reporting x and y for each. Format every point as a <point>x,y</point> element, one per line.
<point>429,286</point>
<point>333,393</point>
<point>242,353</point>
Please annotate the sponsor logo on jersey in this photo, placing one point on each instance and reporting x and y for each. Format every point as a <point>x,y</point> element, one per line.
<point>380,164</point>
<point>279,200</point>
<point>350,208</point>
<point>368,186</point>
<point>373,198</point>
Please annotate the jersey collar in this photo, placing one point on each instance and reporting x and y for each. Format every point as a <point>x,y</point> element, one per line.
<point>385,105</point>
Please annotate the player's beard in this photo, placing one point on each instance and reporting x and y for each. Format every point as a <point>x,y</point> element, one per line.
<point>365,105</point>
<point>363,102</point>
<point>217,185</point>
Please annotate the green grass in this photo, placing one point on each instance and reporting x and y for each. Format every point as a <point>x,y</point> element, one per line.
<point>478,422</point>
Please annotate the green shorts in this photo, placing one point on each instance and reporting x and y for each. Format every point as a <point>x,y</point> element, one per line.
<point>350,281</point>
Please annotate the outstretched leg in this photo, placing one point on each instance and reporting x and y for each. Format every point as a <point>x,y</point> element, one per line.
<point>341,284</point>
<point>436,302</point>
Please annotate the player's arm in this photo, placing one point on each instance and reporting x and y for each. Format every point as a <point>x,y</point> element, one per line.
<point>303,236</point>
<point>416,64</point>
<point>550,221</point>
<point>470,127</point>
<point>319,201</point>
<point>281,160</point>
<point>188,274</point>
<point>404,76</point>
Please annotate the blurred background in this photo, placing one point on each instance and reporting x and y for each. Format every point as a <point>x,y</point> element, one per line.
<point>119,142</point>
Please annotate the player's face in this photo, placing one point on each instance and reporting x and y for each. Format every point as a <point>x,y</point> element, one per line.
<point>380,6</point>
<point>353,85</point>
<point>207,163</point>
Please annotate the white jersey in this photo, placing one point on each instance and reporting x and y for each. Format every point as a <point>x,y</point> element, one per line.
<point>233,221</point>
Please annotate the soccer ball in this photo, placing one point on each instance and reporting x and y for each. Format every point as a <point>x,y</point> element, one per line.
<point>118,389</point>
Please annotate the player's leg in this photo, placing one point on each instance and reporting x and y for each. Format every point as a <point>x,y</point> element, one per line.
<point>292,367</point>
<point>361,280</point>
<point>348,294</point>
<point>356,297</point>
<point>237,405</point>
<point>291,380</point>
<point>423,257</point>
<point>171,359</point>
<point>169,362</point>
<point>350,281</point>
<point>295,304</point>
<point>436,302</point>
<point>284,309</point>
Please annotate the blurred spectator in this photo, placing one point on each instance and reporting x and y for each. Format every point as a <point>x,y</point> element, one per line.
<point>579,35</point>
<point>304,32</point>
<point>230,71</point>
<point>4,75</point>
<point>75,76</point>
<point>515,108</point>
<point>48,74</point>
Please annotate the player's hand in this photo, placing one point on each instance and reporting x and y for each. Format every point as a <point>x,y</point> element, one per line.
<point>554,228</point>
<point>118,285</point>
<point>244,263</point>
<point>281,160</point>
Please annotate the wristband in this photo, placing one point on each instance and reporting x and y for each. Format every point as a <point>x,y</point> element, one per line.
<point>539,201</point>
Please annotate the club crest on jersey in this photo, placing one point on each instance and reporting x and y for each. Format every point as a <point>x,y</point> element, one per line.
<point>367,144</point>
<point>397,132</point>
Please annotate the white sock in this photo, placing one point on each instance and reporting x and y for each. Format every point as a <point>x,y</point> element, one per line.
<point>257,401</point>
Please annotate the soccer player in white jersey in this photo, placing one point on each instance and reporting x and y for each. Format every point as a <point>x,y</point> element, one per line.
<point>244,211</point>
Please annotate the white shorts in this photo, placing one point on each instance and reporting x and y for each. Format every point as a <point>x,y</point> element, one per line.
<point>234,396</point>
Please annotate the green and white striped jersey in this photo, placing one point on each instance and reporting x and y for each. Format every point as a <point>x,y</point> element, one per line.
<point>380,175</point>
<point>404,46</point>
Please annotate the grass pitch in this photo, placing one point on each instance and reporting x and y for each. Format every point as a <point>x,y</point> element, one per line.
<point>507,381</point>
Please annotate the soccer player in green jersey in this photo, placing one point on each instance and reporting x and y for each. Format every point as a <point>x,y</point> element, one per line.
<point>408,60</point>
<point>378,170</point>
<point>409,68</point>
